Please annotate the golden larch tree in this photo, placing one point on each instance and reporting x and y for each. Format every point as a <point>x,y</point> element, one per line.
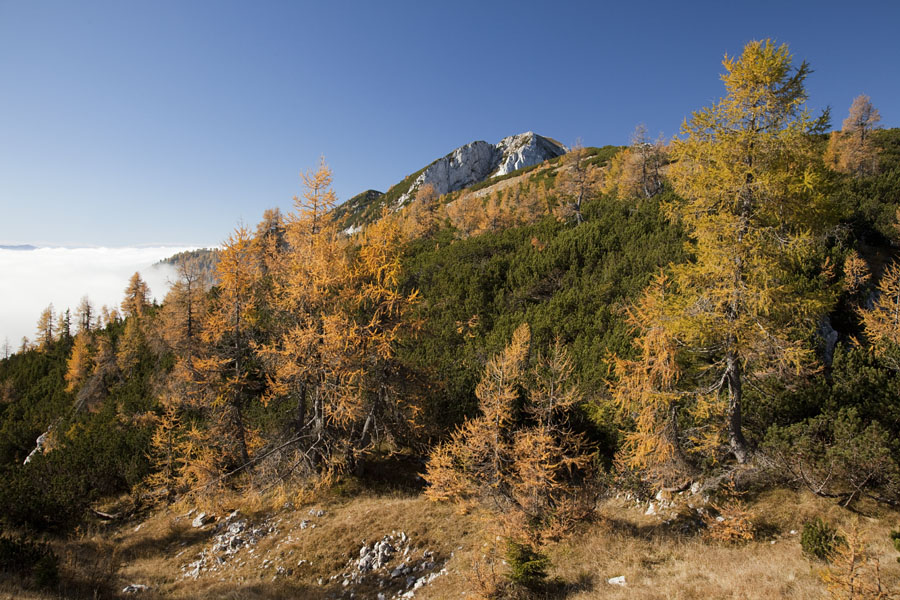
<point>45,328</point>
<point>881,321</point>
<point>751,181</point>
<point>577,182</point>
<point>637,171</point>
<point>314,206</point>
<point>532,470</point>
<point>226,335</point>
<point>306,358</point>
<point>137,297</point>
<point>80,362</point>
<point>852,150</point>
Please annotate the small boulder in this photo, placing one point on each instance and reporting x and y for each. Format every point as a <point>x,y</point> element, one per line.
<point>620,581</point>
<point>202,519</point>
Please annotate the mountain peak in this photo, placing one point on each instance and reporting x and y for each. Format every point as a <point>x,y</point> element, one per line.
<point>524,150</point>
<point>478,161</point>
<point>467,165</point>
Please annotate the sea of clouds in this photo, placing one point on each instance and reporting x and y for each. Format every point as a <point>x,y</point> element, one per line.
<point>32,279</point>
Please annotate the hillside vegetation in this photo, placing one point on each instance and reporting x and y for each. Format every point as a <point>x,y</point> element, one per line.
<point>664,370</point>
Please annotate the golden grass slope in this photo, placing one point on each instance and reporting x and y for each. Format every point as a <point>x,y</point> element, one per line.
<point>659,555</point>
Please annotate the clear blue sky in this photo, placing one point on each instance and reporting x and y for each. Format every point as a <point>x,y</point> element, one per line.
<point>126,122</point>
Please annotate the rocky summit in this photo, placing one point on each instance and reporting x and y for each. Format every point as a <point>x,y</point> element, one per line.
<point>478,161</point>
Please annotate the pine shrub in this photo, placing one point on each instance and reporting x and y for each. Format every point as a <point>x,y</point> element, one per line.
<point>527,566</point>
<point>820,540</point>
<point>23,557</point>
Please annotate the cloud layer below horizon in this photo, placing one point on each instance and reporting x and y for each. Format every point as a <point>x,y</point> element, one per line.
<point>32,279</point>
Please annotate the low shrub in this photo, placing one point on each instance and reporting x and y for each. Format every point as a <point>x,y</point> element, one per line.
<point>527,566</point>
<point>820,540</point>
<point>26,558</point>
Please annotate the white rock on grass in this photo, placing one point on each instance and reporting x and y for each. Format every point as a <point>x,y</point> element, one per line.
<point>202,519</point>
<point>620,581</point>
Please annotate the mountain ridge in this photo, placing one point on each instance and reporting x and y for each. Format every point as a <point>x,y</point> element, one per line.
<point>464,166</point>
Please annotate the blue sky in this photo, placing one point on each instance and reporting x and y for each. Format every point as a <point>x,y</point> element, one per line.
<point>135,123</point>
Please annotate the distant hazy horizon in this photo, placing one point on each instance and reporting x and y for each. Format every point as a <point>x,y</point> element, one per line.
<point>33,279</point>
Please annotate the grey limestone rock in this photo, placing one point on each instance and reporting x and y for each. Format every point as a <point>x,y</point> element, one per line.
<point>477,161</point>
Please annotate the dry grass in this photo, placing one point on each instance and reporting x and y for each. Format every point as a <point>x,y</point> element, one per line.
<point>658,555</point>
<point>660,561</point>
<point>164,543</point>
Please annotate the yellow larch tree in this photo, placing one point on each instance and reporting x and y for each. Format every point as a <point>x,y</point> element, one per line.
<point>577,182</point>
<point>340,314</point>
<point>225,365</point>
<point>131,344</point>
<point>852,150</point>
<point>751,181</point>
<point>481,452</point>
<point>637,171</point>
<point>645,387</point>
<point>383,314</point>
<point>881,322</point>
<point>422,217</point>
<point>466,214</point>
<point>314,206</point>
<point>533,468</point>
<point>80,362</point>
<point>45,329</point>
<point>137,297</point>
<point>306,358</point>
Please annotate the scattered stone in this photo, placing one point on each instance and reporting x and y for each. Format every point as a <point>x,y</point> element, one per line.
<point>651,510</point>
<point>134,588</point>
<point>620,581</point>
<point>202,519</point>
<point>232,536</point>
<point>377,565</point>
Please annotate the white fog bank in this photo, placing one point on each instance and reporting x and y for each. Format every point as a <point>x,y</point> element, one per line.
<point>32,279</point>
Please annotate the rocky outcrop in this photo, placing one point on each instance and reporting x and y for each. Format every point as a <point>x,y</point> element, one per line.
<point>524,150</point>
<point>40,445</point>
<point>478,161</point>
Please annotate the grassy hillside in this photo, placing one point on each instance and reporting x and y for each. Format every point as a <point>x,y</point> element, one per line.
<point>298,554</point>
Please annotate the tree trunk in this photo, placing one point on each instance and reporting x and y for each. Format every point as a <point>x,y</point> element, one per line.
<point>735,396</point>
<point>673,436</point>
<point>300,418</point>
<point>318,453</point>
<point>237,421</point>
